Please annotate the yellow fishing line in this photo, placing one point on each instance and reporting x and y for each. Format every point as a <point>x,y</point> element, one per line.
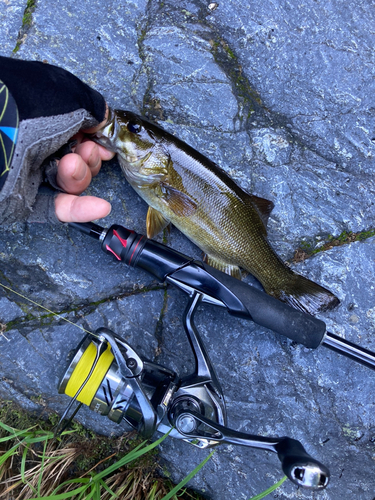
<point>45,308</point>
<point>82,370</point>
<point>85,363</point>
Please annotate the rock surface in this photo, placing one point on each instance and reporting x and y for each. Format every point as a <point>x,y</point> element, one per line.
<point>281,95</point>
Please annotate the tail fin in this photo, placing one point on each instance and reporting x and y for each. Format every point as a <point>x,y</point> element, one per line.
<point>305,295</point>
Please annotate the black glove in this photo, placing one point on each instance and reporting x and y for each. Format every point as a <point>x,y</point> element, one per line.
<point>41,108</point>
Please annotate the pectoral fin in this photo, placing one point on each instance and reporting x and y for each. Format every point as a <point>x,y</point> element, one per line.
<point>180,203</point>
<point>223,267</point>
<point>155,222</point>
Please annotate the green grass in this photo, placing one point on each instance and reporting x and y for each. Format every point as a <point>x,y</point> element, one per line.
<point>79,465</point>
<point>44,464</point>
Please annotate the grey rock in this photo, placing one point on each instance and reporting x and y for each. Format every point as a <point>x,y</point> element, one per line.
<point>9,310</point>
<point>313,67</point>
<point>11,14</point>
<point>97,43</point>
<point>282,99</point>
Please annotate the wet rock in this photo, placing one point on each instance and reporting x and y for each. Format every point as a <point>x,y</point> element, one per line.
<point>9,311</point>
<point>282,99</point>
<point>11,15</point>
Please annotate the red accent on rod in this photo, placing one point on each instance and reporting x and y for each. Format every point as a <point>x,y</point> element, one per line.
<point>123,242</point>
<point>136,246</point>
<point>114,253</point>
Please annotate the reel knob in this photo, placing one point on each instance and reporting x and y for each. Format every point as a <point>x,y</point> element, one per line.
<point>300,467</point>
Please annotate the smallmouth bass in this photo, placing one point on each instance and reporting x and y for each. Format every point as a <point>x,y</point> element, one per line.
<point>183,187</point>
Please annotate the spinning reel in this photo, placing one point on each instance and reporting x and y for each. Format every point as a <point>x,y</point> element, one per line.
<point>107,375</point>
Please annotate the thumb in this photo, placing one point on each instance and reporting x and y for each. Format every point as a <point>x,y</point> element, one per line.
<point>70,208</point>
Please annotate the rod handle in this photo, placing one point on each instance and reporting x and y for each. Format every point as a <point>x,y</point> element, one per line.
<point>271,313</point>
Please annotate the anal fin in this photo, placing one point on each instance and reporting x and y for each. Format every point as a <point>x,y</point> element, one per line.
<point>263,206</point>
<point>155,222</point>
<point>223,266</point>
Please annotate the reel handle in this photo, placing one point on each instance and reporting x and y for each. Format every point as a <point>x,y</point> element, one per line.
<point>297,464</point>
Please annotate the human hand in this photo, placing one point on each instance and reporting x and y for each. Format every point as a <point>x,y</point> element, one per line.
<point>75,171</point>
<point>55,107</point>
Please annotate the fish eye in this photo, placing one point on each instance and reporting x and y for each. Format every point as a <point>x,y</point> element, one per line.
<point>134,127</point>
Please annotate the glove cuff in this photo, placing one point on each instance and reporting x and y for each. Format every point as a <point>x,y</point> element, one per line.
<point>44,207</point>
<point>37,139</point>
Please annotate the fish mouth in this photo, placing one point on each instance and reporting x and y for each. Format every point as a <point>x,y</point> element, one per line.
<point>104,141</point>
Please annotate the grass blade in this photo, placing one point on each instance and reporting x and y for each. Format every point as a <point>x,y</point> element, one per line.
<point>269,490</point>
<point>130,457</point>
<point>182,483</point>
<point>42,467</point>
<point>82,480</point>
<point>108,489</point>
<point>23,467</point>
<point>9,453</point>
<point>13,433</point>
<point>63,496</point>
<point>23,463</point>
<point>39,439</point>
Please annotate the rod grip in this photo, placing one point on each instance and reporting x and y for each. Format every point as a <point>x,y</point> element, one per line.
<point>136,250</point>
<point>271,313</point>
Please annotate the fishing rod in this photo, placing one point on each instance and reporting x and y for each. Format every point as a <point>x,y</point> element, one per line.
<point>110,377</point>
<point>220,289</point>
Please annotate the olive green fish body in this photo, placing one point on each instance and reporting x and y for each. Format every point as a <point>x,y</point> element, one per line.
<point>185,188</point>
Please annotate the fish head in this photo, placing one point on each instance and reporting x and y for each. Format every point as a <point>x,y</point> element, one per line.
<point>128,135</point>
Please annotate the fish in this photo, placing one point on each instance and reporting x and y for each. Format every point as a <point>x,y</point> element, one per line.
<point>183,187</point>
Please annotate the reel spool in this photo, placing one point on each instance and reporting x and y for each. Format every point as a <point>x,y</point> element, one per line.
<point>109,377</point>
<point>99,383</point>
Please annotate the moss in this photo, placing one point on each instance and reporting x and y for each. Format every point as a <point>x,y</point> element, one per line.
<point>306,250</point>
<point>225,57</point>
<point>27,20</point>
<point>28,13</point>
<point>14,416</point>
<point>228,50</point>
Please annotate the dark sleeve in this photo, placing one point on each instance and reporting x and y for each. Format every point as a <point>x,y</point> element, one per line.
<point>49,106</point>
<point>41,89</point>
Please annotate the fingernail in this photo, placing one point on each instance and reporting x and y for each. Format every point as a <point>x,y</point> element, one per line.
<point>97,164</point>
<point>80,171</point>
<point>109,209</point>
<point>94,160</point>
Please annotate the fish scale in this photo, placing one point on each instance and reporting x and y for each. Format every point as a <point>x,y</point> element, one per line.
<point>183,187</point>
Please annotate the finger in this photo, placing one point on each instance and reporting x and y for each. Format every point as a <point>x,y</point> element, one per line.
<point>104,153</point>
<point>73,174</point>
<point>89,152</point>
<point>92,130</point>
<point>81,137</point>
<point>70,208</point>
